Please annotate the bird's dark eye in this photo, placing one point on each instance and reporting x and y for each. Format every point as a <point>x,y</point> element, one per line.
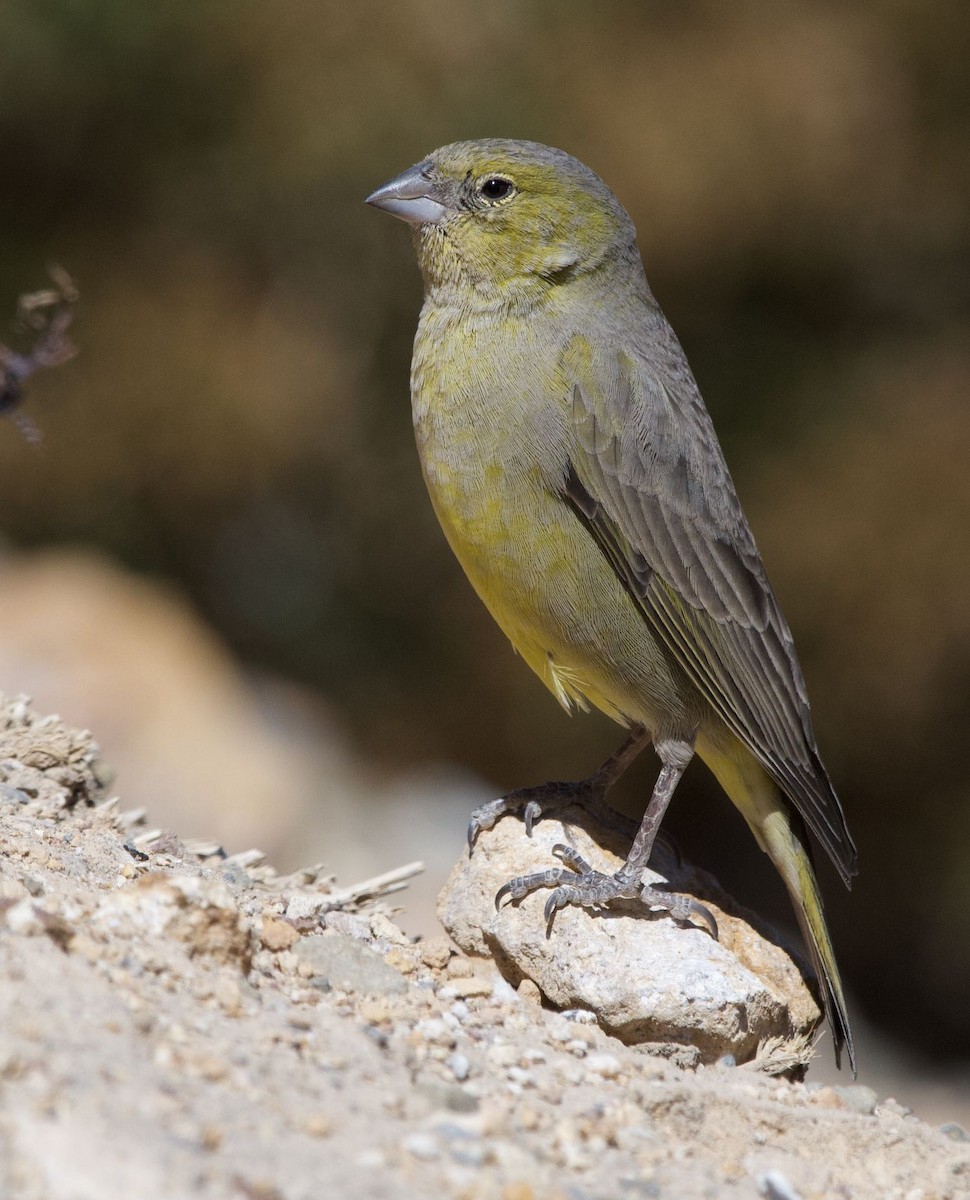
<point>496,188</point>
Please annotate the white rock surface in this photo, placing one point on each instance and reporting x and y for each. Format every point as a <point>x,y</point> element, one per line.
<point>646,977</point>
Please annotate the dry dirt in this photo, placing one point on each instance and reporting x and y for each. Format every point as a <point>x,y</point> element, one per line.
<point>179,1023</point>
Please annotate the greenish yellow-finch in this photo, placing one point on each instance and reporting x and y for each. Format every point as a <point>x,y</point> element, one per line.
<point>577,476</point>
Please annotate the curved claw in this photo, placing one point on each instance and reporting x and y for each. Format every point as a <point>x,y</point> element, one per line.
<point>556,901</point>
<point>487,815</point>
<point>705,914</point>
<point>680,908</point>
<point>530,814</point>
<point>500,895</point>
<point>481,819</point>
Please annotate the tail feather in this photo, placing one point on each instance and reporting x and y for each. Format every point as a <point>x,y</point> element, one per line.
<point>781,833</point>
<point>807,901</point>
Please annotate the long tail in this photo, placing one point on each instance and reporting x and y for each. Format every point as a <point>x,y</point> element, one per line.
<point>781,833</point>
<point>785,841</point>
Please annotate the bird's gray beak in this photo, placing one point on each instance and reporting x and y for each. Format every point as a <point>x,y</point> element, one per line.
<point>412,196</point>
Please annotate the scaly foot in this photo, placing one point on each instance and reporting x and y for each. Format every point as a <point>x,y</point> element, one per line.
<point>578,883</point>
<point>589,793</point>
<point>534,802</point>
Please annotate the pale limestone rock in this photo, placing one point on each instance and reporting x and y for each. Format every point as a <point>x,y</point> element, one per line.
<point>647,978</point>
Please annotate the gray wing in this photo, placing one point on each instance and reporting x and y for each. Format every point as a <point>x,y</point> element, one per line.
<point>648,480</point>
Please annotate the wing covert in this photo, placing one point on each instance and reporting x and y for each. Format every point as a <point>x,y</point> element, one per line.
<point>648,480</point>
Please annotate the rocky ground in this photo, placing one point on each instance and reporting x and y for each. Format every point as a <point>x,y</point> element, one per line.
<point>178,1022</point>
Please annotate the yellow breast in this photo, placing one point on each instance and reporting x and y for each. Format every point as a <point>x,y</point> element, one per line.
<point>494,458</point>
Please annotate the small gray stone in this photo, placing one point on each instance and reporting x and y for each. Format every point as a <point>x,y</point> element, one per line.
<point>422,1146</point>
<point>892,1108</point>
<point>607,1065</point>
<point>464,1146</point>
<point>449,1096</point>
<point>775,1186</point>
<point>955,1132</point>
<point>458,1065</point>
<point>351,925</point>
<point>348,965</point>
<point>858,1098</point>
<point>471,1153</point>
<point>237,876</point>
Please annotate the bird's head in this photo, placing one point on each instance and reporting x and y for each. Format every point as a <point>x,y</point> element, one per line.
<point>508,218</point>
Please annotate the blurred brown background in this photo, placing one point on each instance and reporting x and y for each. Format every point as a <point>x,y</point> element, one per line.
<point>237,422</point>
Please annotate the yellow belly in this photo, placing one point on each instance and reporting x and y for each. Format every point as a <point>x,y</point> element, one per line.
<point>494,457</point>
<point>549,588</point>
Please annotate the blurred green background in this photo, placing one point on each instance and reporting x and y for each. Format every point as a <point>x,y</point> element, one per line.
<point>238,418</point>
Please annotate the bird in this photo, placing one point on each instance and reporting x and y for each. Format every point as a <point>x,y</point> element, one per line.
<point>578,478</point>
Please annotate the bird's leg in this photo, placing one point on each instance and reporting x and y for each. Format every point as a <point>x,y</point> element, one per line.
<point>578,883</point>
<point>532,802</point>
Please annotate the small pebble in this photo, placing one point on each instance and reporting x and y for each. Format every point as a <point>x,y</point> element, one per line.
<point>348,964</point>
<point>460,967</point>
<point>401,958</point>
<point>775,1186</point>
<point>579,1016</point>
<point>435,952</point>
<point>521,1076</point>
<point>607,1065</point>
<point>373,1011</point>
<point>277,934</point>
<point>827,1097</point>
<point>471,1153</point>
<point>236,875</point>
<point>502,991</point>
<point>528,990</point>
<point>371,1160</point>
<point>384,929</point>
<point>892,1108</point>
<point>465,1145</point>
<point>503,1054</point>
<point>304,905</point>
<point>422,1146</point>
<point>955,1132</point>
<point>528,1118</point>
<point>378,1036</point>
<point>210,1138</point>
<point>351,925</point>
<point>434,1030</point>
<point>470,985</point>
<point>318,1125</point>
<point>858,1098</point>
<point>458,1065</point>
<point>23,917</point>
